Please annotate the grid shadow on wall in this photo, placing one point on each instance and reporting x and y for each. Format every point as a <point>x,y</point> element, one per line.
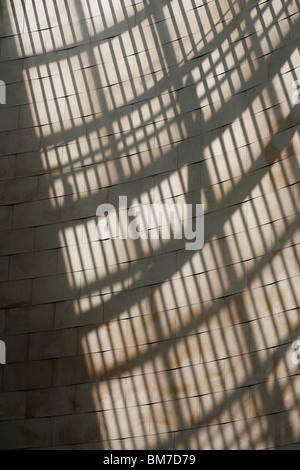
<point>143,344</point>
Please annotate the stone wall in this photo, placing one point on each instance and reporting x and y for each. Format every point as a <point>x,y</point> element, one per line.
<point>142,344</point>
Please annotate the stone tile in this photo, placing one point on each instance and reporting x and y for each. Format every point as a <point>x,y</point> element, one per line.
<point>12,406</point>
<point>18,191</point>
<point>151,328</point>
<point>31,265</point>
<point>150,388</point>
<point>28,375</point>
<point>151,271</point>
<point>249,305</point>
<point>219,344</point>
<point>285,295</point>
<point>16,293</point>
<point>55,288</point>
<point>2,321</point>
<point>35,163</point>
<point>33,214</point>
<point>273,268</point>
<point>24,434</point>
<point>221,407</point>
<point>100,396</point>
<point>6,216</point>
<point>174,415</point>
<point>4,262</point>
<point>50,402</point>
<point>74,429</point>
<point>180,353</point>
<point>274,330</point>
<point>11,71</point>
<point>108,336</point>
<point>52,344</point>
<point>283,364</point>
<point>16,348</point>
<point>210,257</point>
<point>13,10</point>
<point>126,304</point>
<point>287,427</point>
<point>274,396</point>
<point>200,379</point>
<point>59,235</point>
<point>81,257</point>
<point>29,319</point>
<point>200,317</point>
<point>79,312</point>
<point>124,423</point>
<point>109,279</point>
<point>249,369</point>
<point>247,245</point>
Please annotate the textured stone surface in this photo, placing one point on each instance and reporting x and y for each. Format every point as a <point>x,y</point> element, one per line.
<point>142,344</point>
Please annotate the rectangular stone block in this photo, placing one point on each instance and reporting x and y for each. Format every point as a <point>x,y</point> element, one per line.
<point>274,396</point>
<point>31,265</point>
<point>150,388</point>
<point>129,303</point>
<point>151,328</point>
<point>28,375</point>
<point>122,423</point>
<point>12,406</point>
<point>74,429</point>
<point>33,214</point>
<point>274,330</point>
<point>16,348</point>
<point>100,396</point>
<point>25,434</point>
<point>79,312</point>
<point>174,415</point>
<point>29,319</point>
<point>56,288</point>
<point>16,293</point>
<point>108,336</point>
<point>200,379</point>
<point>287,426</point>
<point>53,344</point>
<point>249,369</point>
<point>50,402</point>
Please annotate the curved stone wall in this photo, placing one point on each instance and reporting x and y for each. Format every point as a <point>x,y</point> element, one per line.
<point>118,343</point>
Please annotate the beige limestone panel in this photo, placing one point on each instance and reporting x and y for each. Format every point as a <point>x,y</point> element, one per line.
<point>200,379</point>
<point>108,336</point>
<point>68,429</point>
<point>50,402</point>
<point>48,345</point>
<point>16,293</point>
<point>150,388</point>
<point>126,304</point>
<point>79,312</point>
<point>12,406</point>
<point>247,369</point>
<point>274,396</point>
<point>29,319</point>
<point>26,433</point>
<point>18,191</point>
<point>174,415</point>
<point>122,423</point>
<point>100,396</point>
<point>30,265</point>
<point>28,375</point>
